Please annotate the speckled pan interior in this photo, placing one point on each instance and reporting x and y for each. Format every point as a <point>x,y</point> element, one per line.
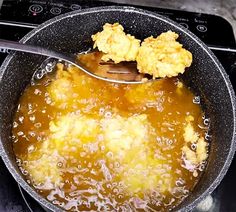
<point>71,33</point>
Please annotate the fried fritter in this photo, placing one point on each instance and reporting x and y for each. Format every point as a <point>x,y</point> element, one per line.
<point>115,44</point>
<point>163,56</point>
<point>191,137</point>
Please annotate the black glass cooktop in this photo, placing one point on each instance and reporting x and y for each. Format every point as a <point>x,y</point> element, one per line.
<point>19,17</point>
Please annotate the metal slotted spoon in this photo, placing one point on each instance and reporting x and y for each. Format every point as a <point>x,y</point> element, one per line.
<point>125,73</point>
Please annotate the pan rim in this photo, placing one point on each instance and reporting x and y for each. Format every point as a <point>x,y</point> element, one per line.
<point>220,68</point>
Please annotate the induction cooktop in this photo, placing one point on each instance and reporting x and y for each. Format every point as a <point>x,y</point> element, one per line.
<point>17,18</point>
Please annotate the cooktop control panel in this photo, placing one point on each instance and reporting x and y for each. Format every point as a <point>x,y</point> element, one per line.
<point>213,30</point>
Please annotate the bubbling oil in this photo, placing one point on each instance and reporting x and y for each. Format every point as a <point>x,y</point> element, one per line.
<point>85,144</point>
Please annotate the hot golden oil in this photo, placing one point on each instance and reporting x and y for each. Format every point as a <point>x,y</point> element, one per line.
<point>86,144</point>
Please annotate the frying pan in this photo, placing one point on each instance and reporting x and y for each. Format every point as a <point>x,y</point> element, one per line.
<point>72,33</point>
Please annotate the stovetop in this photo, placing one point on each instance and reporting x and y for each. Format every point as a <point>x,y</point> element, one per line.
<point>19,17</point>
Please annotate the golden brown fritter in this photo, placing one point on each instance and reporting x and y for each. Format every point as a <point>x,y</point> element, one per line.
<point>116,45</point>
<point>163,56</point>
<point>199,155</point>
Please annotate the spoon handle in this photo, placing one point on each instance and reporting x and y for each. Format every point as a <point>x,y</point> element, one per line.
<point>16,46</point>
<point>70,58</point>
<point>224,49</point>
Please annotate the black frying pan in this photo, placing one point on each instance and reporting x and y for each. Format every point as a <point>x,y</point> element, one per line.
<point>72,33</point>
